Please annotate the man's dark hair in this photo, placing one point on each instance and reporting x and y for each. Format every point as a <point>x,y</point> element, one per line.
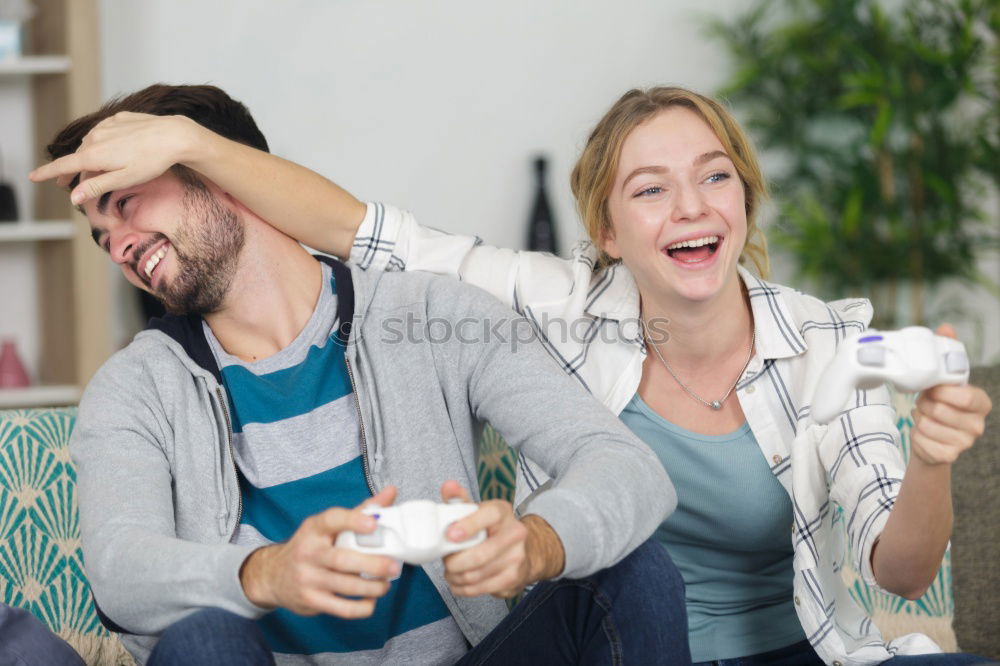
<point>208,106</point>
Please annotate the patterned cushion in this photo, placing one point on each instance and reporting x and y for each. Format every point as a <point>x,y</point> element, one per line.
<point>41,564</point>
<point>496,470</point>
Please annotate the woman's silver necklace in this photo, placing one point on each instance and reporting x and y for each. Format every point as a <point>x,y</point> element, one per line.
<point>715,404</point>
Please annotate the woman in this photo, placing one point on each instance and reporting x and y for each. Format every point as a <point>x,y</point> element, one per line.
<point>709,364</point>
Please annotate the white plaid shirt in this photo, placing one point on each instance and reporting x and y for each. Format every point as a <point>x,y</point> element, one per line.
<point>588,322</point>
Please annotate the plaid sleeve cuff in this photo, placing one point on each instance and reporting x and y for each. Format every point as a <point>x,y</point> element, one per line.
<point>375,242</point>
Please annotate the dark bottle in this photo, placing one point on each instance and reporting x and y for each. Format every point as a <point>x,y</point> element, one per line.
<point>8,200</point>
<point>541,225</point>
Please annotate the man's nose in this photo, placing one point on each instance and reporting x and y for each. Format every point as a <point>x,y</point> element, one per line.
<point>122,246</point>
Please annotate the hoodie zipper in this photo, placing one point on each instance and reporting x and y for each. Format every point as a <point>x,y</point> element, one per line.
<point>232,455</point>
<point>361,422</point>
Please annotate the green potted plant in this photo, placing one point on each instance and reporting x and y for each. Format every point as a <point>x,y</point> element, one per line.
<point>883,126</point>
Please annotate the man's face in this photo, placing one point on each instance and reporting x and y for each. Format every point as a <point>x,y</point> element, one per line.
<point>172,238</point>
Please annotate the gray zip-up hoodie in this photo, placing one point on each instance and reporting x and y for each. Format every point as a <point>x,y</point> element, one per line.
<point>159,495</point>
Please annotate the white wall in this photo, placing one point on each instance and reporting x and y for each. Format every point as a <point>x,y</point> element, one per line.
<point>434,106</point>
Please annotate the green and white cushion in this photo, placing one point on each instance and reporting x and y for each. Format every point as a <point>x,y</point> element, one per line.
<point>41,564</point>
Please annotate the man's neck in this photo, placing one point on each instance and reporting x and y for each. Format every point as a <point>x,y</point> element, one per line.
<point>274,293</point>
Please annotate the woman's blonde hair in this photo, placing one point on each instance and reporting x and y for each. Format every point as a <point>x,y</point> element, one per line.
<point>594,174</point>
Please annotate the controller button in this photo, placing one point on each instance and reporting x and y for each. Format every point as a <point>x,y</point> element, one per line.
<point>870,338</point>
<point>871,356</point>
<point>956,362</point>
<point>373,540</point>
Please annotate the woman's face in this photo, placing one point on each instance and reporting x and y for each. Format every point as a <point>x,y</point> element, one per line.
<point>677,209</point>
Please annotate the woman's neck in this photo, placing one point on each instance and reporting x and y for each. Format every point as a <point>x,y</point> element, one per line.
<point>689,334</point>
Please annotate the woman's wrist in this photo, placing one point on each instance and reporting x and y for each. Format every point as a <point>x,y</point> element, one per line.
<point>197,147</point>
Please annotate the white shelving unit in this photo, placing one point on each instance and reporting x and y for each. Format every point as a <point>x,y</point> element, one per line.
<point>26,232</point>
<point>54,294</point>
<point>27,65</point>
<point>39,396</point>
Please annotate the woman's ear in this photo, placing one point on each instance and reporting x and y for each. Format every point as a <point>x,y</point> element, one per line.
<point>608,242</point>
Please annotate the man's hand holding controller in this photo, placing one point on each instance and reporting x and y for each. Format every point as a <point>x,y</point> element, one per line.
<point>516,552</point>
<point>308,575</point>
<point>486,548</point>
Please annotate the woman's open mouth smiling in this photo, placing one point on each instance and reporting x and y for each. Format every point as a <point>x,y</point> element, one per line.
<point>693,251</point>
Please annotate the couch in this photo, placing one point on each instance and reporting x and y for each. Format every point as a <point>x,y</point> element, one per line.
<point>42,569</point>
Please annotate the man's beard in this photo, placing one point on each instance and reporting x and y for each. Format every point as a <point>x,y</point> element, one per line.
<point>207,243</point>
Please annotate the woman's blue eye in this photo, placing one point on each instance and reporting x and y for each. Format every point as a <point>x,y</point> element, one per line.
<point>655,189</point>
<point>718,177</point>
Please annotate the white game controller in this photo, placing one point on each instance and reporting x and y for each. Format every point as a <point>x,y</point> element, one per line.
<point>911,358</point>
<point>413,531</point>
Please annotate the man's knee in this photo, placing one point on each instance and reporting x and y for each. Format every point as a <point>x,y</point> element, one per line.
<point>646,570</point>
<point>212,635</point>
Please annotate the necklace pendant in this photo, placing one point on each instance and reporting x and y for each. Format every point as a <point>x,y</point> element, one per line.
<point>716,405</point>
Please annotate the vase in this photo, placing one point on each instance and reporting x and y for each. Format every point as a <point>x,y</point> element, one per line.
<point>12,372</point>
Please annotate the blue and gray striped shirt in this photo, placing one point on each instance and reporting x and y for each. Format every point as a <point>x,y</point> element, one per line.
<point>296,439</point>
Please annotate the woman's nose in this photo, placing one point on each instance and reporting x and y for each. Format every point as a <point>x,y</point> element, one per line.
<point>689,204</point>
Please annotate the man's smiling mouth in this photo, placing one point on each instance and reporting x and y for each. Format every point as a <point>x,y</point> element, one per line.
<point>149,257</point>
<point>153,261</point>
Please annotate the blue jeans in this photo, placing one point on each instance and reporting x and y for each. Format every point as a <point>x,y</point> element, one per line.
<point>631,613</point>
<point>802,654</point>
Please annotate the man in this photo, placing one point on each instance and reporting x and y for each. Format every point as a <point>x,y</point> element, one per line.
<point>219,452</point>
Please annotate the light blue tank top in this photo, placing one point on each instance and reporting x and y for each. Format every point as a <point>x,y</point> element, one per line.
<point>730,537</point>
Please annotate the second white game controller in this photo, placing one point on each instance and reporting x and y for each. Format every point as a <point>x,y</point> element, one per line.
<point>413,531</point>
<point>912,359</point>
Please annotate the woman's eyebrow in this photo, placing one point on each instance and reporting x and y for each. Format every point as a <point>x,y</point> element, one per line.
<point>698,161</point>
<point>709,156</point>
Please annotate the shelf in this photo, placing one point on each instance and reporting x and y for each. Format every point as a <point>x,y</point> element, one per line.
<point>39,396</point>
<point>20,232</point>
<point>34,65</point>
